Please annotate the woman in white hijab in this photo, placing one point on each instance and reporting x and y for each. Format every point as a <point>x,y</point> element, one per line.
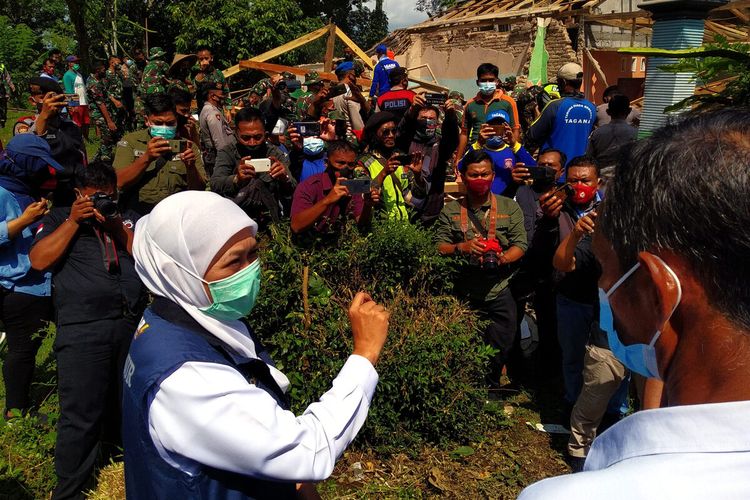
<point>205,411</point>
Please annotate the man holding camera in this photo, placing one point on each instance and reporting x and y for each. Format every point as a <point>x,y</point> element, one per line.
<point>487,232</point>
<point>156,162</point>
<point>254,172</point>
<point>98,299</point>
<point>323,201</point>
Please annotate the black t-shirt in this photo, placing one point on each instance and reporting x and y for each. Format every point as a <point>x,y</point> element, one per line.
<point>96,278</point>
<point>581,285</point>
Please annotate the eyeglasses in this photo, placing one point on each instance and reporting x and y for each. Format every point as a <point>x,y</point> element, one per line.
<point>388,131</point>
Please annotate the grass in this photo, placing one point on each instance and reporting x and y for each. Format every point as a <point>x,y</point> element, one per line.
<point>6,133</point>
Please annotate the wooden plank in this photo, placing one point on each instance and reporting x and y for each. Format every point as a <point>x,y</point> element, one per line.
<point>272,68</point>
<point>488,18</point>
<point>737,4</point>
<point>597,68</point>
<point>349,43</point>
<point>740,14</point>
<point>330,44</point>
<point>282,49</point>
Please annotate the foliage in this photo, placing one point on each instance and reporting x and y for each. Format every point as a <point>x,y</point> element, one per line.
<point>432,367</point>
<point>238,31</point>
<point>710,63</point>
<point>432,7</point>
<point>365,26</point>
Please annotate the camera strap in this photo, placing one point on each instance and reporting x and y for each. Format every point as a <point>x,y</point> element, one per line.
<point>467,215</point>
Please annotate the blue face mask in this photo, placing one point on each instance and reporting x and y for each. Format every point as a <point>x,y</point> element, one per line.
<point>487,88</point>
<point>234,297</point>
<point>494,142</point>
<point>640,358</point>
<point>313,146</point>
<point>163,131</point>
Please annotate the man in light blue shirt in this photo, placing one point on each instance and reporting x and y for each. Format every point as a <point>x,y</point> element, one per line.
<point>675,304</point>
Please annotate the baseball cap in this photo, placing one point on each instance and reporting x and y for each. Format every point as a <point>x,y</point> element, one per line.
<point>46,85</point>
<point>345,66</point>
<point>381,49</point>
<point>72,59</point>
<point>570,71</point>
<point>34,146</point>
<point>497,115</point>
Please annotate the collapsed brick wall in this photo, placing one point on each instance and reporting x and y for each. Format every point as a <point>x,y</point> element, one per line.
<point>516,41</point>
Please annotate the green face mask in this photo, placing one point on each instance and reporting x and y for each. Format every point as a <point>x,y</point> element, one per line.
<point>76,67</point>
<point>234,296</point>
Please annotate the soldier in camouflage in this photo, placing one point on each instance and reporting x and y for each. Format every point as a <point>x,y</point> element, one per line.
<point>205,75</point>
<point>113,86</point>
<point>100,109</point>
<point>179,73</point>
<point>313,83</point>
<point>153,81</point>
<point>6,87</point>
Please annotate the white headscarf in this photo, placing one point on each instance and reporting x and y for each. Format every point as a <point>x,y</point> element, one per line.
<point>175,244</point>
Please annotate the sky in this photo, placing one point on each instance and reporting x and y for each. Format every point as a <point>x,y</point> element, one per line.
<point>401,13</point>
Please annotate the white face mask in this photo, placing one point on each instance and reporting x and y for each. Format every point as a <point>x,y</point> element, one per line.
<point>313,146</point>
<point>487,87</point>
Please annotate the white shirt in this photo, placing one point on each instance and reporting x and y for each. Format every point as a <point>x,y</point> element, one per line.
<point>686,452</point>
<point>79,87</point>
<point>207,413</point>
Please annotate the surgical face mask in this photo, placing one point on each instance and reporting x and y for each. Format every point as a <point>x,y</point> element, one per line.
<point>487,88</point>
<point>640,358</point>
<point>76,67</point>
<point>129,63</point>
<point>494,142</point>
<point>163,131</point>
<point>234,297</point>
<point>313,146</point>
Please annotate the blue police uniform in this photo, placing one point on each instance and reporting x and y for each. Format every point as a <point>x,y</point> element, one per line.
<point>380,82</point>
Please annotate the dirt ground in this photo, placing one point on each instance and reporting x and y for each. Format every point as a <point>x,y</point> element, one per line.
<point>509,458</point>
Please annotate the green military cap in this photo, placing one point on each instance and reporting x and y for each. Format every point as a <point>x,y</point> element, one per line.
<point>156,52</point>
<point>337,115</point>
<point>287,75</point>
<point>312,77</point>
<point>455,94</point>
<point>297,94</point>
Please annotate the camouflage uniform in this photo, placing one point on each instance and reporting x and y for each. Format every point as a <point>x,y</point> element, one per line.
<point>200,79</point>
<point>153,81</point>
<point>5,86</point>
<point>113,86</point>
<point>305,99</point>
<point>456,101</point>
<point>96,91</point>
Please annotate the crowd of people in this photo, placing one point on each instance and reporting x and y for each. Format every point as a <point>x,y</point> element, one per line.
<point>150,248</point>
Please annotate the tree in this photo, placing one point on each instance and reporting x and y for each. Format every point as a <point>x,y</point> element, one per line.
<point>719,62</point>
<point>432,7</point>
<point>363,25</point>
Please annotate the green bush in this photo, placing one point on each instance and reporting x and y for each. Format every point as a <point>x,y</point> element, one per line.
<point>432,367</point>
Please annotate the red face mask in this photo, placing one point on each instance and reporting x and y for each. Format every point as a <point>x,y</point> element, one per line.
<point>583,193</point>
<point>478,187</point>
<point>51,183</point>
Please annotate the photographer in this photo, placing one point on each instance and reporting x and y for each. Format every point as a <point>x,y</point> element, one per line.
<point>391,171</point>
<point>52,122</point>
<point>307,154</point>
<point>98,299</point>
<point>487,231</point>
<point>265,196</point>
<point>158,161</point>
<point>419,134</point>
<point>497,139</point>
<point>323,201</point>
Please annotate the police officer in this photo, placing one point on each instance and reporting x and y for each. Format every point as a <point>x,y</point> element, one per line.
<point>157,161</point>
<point>215,132</point>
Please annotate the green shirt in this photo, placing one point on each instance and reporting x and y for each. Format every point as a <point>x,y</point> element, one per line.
<point>477,109</point>
<point>163,177</point>
<point>475,283</point>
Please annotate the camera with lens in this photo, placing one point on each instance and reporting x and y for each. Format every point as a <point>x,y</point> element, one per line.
<point>488,260</point>
<point>105,205</point>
